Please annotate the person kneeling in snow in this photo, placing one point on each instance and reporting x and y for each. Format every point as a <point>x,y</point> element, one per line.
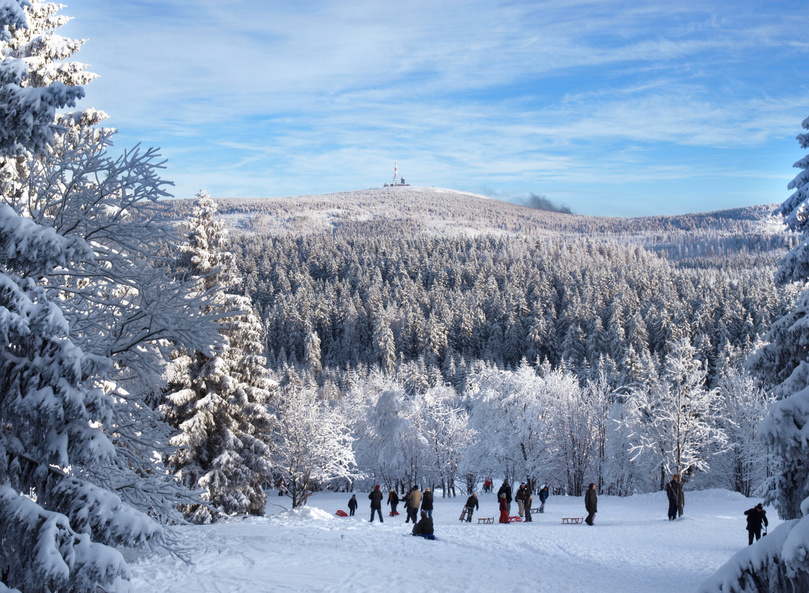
<point>424,527</point>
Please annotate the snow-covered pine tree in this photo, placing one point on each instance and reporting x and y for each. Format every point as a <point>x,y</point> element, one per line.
<point>53,417</point>
<point>27,105</point>
<point>780,562</point>
<point>121,304</point>
<point>219,401</point>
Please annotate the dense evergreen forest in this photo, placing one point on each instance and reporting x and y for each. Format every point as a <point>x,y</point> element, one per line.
<point>361,283</point>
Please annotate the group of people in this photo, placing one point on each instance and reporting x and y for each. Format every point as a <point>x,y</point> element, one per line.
<point>415,498</point>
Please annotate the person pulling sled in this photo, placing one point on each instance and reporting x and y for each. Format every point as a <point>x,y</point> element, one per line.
<point>469,508</point>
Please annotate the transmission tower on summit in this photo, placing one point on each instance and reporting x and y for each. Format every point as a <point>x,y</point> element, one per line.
<point>396,180</point>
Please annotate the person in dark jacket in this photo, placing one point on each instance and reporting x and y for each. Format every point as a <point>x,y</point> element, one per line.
<point>673,495</point>
<point>591,503</point>
<point>376,503</point>
<point>471,505</point>
<point>755,517</point>
<point>543,496</point>
<point>529,500</point>
<point>505,489</point>
<point>519,498</point>
<point>427,502</point>
<point>352,505</point>
<point>424,526</point>
<point>393,501</point>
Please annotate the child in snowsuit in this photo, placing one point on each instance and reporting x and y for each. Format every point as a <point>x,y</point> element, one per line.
<point>503,508</point>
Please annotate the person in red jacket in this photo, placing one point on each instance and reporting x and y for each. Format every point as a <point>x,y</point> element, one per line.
<point>503,508</point>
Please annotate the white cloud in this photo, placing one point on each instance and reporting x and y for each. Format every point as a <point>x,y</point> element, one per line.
<point>295,95</point>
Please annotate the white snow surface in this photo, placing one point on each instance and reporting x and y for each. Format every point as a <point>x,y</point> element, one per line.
<point>632,548</point>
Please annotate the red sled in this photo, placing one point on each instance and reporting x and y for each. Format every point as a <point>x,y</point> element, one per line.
<point>341,513</point>
<point>515,519</point>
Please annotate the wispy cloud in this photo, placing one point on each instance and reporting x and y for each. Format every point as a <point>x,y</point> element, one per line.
<point>546,97</point>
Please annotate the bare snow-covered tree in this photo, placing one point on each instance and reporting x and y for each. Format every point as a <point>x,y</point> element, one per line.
<point>445,427</point>
<point>313,443</point>
<point>513,420</point>
<point>678,417</point>
<point>744,403</point>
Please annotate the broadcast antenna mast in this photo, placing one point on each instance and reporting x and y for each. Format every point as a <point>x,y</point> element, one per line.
<point>395,171</point>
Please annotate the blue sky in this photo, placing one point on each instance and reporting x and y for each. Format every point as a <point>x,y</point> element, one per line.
<point>608,107</point>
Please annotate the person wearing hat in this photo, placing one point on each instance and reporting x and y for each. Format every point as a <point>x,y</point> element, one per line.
<point>755,517</point>
<point>352,505</point>
<point>376,503</point>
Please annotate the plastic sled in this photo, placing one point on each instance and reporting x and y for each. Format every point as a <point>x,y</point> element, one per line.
<point>515,519</point>
<point>341,513</point>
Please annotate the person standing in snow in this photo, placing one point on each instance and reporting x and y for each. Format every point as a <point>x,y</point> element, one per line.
<point>352,505</point>
<point>591,503</point>
<point>427,502</point>
<point>393,501</point>
<point>755,517</point>
<point>376,503</point>
<point>543,496</point>
<point>413,504</point>
<point>505,489</point>
<point>503,508</point>
<point>471,505</point>
<point>519,498</point>
<point>673,494</point>
<point>529,499</point>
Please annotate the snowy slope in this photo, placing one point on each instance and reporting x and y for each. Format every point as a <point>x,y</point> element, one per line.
<point>631,549</point>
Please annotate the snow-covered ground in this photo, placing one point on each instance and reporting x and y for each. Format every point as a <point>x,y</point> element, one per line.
<point>632,548</point>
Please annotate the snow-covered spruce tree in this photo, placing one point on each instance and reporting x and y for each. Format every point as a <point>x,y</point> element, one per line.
<point>27,105</point>
<point>122,304</point>
<point>219,401</point>
<point>780,562</point>
<point>56,534</point>
<point>313,443</point>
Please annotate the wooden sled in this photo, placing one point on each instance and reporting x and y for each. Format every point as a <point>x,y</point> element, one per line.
<point>572,520</point>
